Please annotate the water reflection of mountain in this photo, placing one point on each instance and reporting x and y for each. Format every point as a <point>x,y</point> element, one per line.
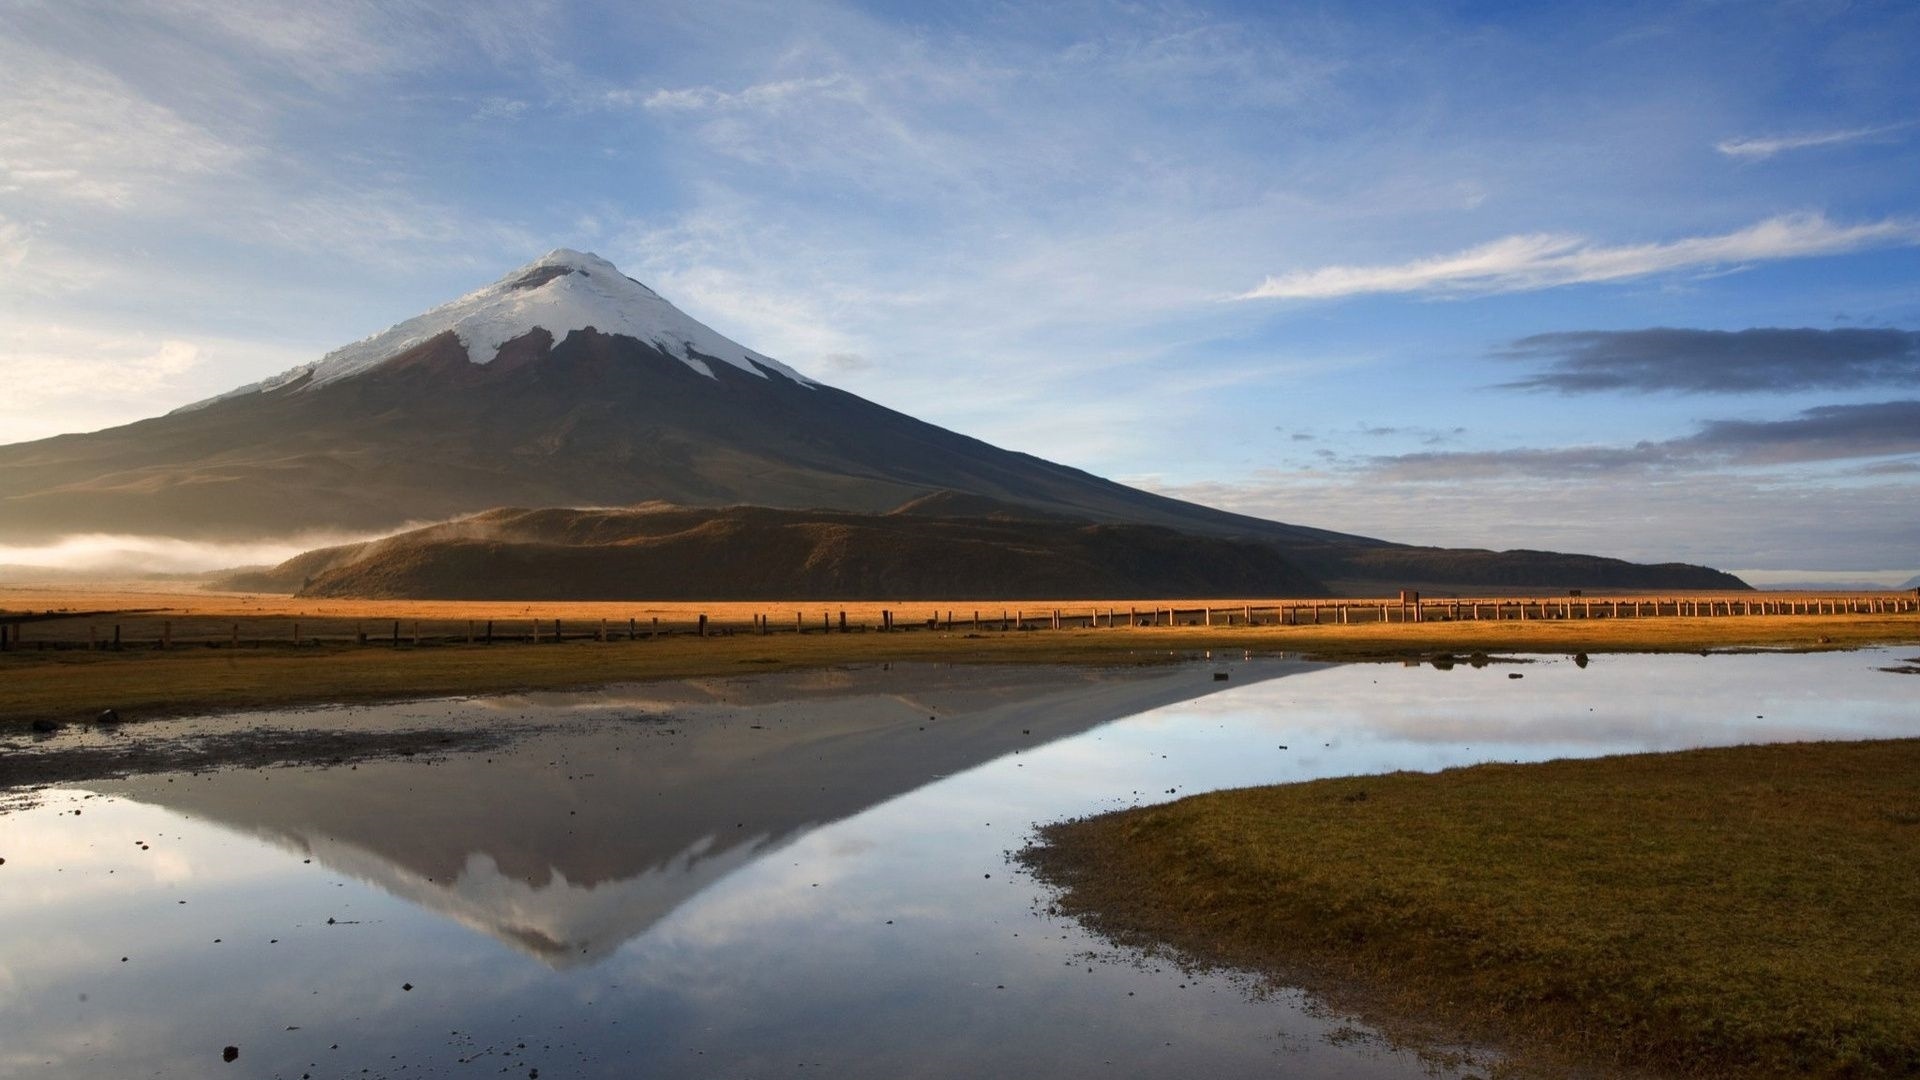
<point>624,805</point>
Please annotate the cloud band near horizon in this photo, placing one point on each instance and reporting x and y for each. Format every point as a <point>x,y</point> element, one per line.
<point>1685,361</point>
<point>1826,433</point>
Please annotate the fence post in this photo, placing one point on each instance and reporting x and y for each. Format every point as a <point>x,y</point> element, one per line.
<point>703,626</point>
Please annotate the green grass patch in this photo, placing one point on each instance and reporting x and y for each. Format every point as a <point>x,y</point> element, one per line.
<point>1751,912</point>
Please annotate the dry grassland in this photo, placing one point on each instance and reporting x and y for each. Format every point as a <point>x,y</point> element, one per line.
<point>203,670</point>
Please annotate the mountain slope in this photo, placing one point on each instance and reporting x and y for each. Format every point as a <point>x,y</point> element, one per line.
<point>571,417</point>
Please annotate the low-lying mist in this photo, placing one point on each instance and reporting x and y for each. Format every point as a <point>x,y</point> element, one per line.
<point>105,555</point>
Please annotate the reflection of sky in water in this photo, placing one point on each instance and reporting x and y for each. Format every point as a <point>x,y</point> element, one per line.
<point>884,935</point>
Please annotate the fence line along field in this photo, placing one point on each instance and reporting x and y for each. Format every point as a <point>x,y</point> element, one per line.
<point>188,652</point>
<point>120,618</point>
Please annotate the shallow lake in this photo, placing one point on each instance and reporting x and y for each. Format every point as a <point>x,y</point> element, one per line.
<point>769,875</point>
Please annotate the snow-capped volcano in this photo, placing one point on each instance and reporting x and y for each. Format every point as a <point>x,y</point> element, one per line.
<point>560,292</point>
<point>568,384</point>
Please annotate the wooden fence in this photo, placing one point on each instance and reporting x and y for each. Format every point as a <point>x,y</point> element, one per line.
<point>103,630</point>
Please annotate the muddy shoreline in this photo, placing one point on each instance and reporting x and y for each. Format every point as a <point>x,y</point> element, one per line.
<point>121,750</point>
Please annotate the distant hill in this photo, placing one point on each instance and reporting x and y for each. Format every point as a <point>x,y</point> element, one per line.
<point>1836,586</point>
<point>1911,583</point>
<point>665,552</point>
<point>1356,571</point>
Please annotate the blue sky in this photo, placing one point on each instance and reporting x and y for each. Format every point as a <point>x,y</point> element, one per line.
<point>1287,259</point>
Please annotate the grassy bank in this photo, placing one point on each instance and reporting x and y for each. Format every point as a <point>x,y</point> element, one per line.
<point>1751,912</point>
<point>75,683</point>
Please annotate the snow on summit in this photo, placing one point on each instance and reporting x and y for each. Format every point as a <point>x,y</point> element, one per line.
<point>559,292</point>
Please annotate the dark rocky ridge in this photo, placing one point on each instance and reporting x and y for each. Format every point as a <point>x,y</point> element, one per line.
<point>664,552</point>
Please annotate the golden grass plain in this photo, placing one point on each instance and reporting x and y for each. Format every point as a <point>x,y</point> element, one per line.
<point>53,674</point>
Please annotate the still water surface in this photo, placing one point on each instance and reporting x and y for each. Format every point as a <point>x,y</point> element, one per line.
<point>775,875</point>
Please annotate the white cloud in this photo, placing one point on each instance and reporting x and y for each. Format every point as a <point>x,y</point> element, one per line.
<point>387,228</point>
<point>45,363</point>
<point>331,46</point>
<point>760,96</point>
<point>1761,148</point>
<point>73,132</point>
<point>501,108</point>
<point>1540,261</point>
<point>13,245</point>
<point>872,130</point>
<point>62,377</point>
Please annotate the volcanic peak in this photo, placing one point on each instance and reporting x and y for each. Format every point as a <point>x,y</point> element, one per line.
<point>559,292</point>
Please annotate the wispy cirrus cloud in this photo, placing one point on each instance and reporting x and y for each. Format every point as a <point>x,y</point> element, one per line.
<point>1760,148</point>
<point>1759,360</point>
<point>1545,260</point>
<point>765,95</point>
<point>78,133</point>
